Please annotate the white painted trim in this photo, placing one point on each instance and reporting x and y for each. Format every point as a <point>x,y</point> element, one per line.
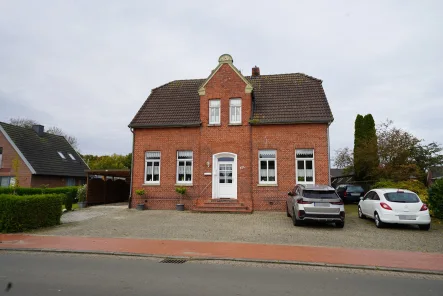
<point>184,183</point>
<point>215,183</point>
<point>159,169</point>
<point>17,150</point>
<point>235,106</point>
<point>266,183</point>
<point>313,168</point>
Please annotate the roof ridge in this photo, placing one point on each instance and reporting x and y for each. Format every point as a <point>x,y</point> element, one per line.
<point>30,128</point>
<point>287,74</point>
<point>177,80</point>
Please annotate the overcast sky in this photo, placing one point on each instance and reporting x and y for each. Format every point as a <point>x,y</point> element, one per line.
<point>87,66</point>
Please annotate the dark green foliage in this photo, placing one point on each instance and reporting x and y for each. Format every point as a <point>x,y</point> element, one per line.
<point>113,161</point>
<point>365,148</point>
<point>435,199</point>
<point>20,213</point>
<point>412,185</point>
<point>68,202</point>
<point>34,191</point>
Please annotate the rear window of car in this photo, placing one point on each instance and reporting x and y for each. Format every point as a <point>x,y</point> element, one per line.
<point>319,194</point>
<point>354,189</point>
<point>404,197</point>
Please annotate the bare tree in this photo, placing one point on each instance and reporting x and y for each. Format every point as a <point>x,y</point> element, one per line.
<point>28,123</point>
<point>344,158</point>
<point>23,122</point>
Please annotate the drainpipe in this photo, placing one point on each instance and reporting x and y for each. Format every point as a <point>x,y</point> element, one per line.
<point>132,168</point>
<point>329,157</point>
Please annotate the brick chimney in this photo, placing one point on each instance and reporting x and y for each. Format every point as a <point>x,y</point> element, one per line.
<point>39,129</point>
<point>255,71</point>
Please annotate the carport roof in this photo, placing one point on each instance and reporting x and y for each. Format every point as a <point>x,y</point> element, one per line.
<point>112,173</point>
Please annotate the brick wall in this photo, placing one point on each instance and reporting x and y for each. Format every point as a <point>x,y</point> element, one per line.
<point>9,154</point>
<point>244,140</point>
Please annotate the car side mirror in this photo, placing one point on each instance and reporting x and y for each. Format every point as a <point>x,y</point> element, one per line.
<point>361,197</point>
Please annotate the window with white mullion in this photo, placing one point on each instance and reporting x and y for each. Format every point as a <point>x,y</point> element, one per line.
<point>214,111</point>
<point>184,166</point>
<point>235,110</point>
<point>267,167</point>
<point>152,167</point>
<point>305,166</point>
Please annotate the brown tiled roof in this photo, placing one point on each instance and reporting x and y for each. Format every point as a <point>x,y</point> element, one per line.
<point>278,99</point>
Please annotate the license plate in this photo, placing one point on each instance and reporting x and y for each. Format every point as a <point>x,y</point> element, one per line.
<point>407,217</point>
<point>355,194</point>
<point>322,204</point>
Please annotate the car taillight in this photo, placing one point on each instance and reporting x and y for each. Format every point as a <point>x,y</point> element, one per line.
<point>424,207</point>
<point>303,202</point>
<point>385,206</point>
<point>345,193</point>
<point>337,202</point>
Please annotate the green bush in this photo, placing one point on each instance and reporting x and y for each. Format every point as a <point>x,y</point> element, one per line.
<point>81,193</point>
<point>68,202</point>
<point>413,185</point>
<point>34,191</point>
<point>435,199</point>
<point>20,213</point>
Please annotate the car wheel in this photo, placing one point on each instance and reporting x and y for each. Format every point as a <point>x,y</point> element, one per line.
<point>360,213</point>
<point>378,222</point>
<point>340,224</point>
<point>425,227</point>
<point>287,211</point>
<point>295,220</point>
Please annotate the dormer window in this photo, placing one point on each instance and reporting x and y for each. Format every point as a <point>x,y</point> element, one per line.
<point>71,156</point>
<point>214,111</point>
<point>235,111</point>
<point>61,155</point>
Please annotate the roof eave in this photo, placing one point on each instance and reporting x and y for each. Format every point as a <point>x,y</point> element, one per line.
<point>164,125</point>
<point>252,122</point>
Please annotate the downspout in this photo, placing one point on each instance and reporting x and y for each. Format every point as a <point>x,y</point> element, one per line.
<point>132,168</point>
<point>329,157</point>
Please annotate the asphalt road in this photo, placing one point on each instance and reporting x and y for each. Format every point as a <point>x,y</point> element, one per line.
<point>64,274</point>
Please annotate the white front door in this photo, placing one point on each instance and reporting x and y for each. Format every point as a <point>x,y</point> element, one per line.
<point>226,188</point>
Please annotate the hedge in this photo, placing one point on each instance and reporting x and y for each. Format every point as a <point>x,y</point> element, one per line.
<point>435,201</point>
<point>20,213</point>
<point>34,191</point>
<point>412,185</point>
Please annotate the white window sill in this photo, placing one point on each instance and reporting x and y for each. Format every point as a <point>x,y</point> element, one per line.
<point>151,184</point>
<point>269,185</point>
<point>184,184</point>
<point>239,123</point>
<point>214,124</point>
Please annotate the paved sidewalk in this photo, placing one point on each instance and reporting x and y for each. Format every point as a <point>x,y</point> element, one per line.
<point>222,250</point>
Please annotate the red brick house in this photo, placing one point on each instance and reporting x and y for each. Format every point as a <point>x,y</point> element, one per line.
<point>238,143</point>
<point>43,158</point>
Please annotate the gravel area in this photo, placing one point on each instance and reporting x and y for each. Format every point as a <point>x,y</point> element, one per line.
<point>260,227</point>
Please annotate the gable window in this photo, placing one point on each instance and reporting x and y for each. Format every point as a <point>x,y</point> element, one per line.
<point>184,167</point>
<point>214,111</point>
<point>61,155</point>
<point>267,166</point>
<point>235,111</point>
<point>1,157</point>
<point>5,181</point>
<point>304,161</point>
<point>152,167</point>
<point>71,156</point>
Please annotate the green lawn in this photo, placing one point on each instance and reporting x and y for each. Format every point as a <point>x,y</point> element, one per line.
<point>351,209</point>
<point>74,207</point>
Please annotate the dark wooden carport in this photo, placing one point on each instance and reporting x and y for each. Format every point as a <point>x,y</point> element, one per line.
<point>107,186</point>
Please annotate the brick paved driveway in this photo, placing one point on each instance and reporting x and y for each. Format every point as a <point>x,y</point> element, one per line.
<point>260,227</point>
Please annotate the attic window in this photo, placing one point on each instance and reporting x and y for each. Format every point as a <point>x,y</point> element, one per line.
<point>61,155</point>
<point>71,156</point>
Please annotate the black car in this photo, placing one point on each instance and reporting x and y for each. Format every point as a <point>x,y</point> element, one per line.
<point>350,193</point>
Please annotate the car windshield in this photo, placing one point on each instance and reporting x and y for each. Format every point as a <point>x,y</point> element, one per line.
<point>405,197</point>
<point>354,189</point>
<point>319,194</point>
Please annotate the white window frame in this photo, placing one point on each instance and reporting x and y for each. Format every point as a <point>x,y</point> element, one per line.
<point>61,155</point>
<point>267,159</point>
<point>185,160</point>
<point>159,167</point>
<point>212,102</point>
<point>304,159</point>
<point>235,105</point>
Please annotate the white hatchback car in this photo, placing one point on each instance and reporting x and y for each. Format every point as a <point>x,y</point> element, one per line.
<point>397,206</point>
